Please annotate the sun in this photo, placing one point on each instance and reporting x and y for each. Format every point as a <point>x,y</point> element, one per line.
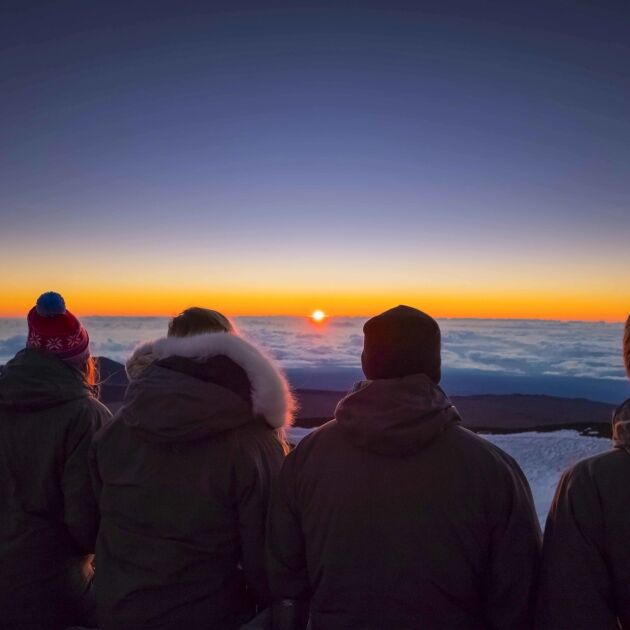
<point>318,316</point>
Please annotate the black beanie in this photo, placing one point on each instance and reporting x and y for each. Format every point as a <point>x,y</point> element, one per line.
<point>399,342</point>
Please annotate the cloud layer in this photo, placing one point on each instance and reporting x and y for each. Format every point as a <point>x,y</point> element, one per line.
<point>515,347</point>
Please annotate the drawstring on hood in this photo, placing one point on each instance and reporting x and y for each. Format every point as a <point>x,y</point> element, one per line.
<point>395,416</point>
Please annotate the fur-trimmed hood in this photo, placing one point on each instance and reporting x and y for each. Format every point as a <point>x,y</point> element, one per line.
<point>270,393</point>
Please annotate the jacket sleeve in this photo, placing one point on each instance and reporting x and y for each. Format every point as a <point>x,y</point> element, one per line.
<point>80,511</point>
<point>286,554</point>
<point>510,588</point>
<point>256,474</point>
<point>575,587</point>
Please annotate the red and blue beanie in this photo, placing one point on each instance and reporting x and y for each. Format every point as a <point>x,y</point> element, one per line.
<point>54,329</point>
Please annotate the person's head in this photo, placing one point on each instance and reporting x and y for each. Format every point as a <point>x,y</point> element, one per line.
<point>53,329</point>
<point>196,321</point>
<point>399,342</point>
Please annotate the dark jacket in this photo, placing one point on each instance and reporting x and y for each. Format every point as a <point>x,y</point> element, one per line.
<point>48,515</point>
<point>585,577</point>
<point>183,476</point>
<point>394,516</point>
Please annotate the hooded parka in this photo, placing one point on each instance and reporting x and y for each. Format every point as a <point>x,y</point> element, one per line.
<point>48,514</point>
<point>585,576</point>
<point>183,476</point>
<point>394,516</point>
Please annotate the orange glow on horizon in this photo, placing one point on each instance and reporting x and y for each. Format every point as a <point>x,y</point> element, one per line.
<point>318,315</point>
<point>254,301</point>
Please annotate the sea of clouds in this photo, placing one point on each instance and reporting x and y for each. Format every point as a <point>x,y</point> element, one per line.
<point>508,347</point>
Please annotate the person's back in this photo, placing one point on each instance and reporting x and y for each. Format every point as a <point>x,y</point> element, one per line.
<point>394,516</point>
<point>48,520</point>
<point>184,472</point>
<point>585,576</point>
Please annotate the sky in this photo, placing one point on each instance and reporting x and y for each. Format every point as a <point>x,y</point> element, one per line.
<point>471,159</point>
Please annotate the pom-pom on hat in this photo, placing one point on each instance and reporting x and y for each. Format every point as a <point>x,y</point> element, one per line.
<point>53,328</point>
<point>50,304</point>
<point>399,342</point>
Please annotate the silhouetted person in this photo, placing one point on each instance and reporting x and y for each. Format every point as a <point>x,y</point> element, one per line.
<point>48,515</point>
<point>183,475</point>
<point>392,515</point>
<point>585,577</point>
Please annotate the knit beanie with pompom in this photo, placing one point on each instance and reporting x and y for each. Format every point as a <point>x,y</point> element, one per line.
<point>54,329</point>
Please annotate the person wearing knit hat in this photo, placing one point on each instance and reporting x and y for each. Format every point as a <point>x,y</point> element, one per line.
<point>48,417</point>
<point>392,515</point>
<point>399,342</point>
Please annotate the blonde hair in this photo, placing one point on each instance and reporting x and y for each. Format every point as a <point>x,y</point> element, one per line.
<point>196,320</point>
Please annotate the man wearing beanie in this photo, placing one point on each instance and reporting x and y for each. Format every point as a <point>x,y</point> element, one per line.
<point>392,515</point>
<point>49,517</point>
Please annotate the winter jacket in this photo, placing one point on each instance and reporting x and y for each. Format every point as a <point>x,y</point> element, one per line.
<point>394,516</point>
<point>183,476</point>
<point>48,515</point>
<point>585,576</point>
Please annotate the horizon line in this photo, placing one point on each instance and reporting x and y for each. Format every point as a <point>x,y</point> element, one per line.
<point>330,317</point>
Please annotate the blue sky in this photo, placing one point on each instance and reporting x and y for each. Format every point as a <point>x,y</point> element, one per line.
<point>472,148</point>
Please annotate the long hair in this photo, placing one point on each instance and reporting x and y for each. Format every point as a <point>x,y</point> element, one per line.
<point>91,375</point>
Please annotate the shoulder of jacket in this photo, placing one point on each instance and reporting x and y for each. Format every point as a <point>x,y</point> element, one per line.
<point>108,427</point>
<point>313,442</point>
<point>322,432</point>
<point>597,467</point>
<point>486,455</point>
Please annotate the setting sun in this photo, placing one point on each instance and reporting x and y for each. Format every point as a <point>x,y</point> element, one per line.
<point>318,316</point>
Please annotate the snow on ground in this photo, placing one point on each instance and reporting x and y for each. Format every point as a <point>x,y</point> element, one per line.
<point>542,456</point>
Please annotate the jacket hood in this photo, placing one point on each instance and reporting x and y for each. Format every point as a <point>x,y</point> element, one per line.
<point>174,405</point>
<point>35,380</point>
<point>395,416</point>
<point>621,426</point>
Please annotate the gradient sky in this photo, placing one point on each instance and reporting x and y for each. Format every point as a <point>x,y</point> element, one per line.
<point>471,159</point>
